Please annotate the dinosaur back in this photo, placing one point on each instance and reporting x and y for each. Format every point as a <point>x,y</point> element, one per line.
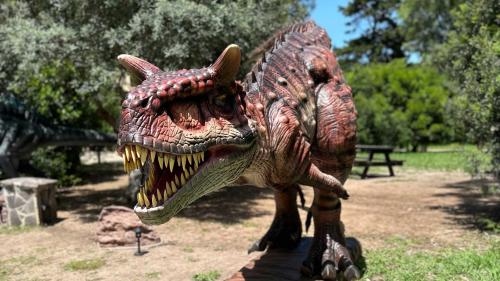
<point>288,72</point>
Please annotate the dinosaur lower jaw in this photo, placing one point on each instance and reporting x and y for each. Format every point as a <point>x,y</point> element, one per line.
<point>171,181</point>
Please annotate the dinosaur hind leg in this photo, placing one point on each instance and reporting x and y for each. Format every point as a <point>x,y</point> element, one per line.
<point>286,229</point>
<point>329,254</point>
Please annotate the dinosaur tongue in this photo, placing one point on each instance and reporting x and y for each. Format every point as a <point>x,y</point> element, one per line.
<point>163,173</point>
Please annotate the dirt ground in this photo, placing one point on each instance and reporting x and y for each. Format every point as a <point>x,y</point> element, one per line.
<point>436,208</point>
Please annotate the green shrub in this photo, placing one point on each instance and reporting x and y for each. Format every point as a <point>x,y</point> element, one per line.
<point>399,104</point>
<point>58,163</point>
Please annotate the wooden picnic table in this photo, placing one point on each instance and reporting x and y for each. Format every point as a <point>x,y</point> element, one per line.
<point>373,149</point>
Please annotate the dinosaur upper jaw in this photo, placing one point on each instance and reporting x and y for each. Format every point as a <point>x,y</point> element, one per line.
<point>170,182</point>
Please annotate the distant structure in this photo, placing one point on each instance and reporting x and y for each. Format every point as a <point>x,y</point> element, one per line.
<point>22,131</point>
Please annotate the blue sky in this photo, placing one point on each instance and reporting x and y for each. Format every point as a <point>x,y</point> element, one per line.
<point>327,15</point>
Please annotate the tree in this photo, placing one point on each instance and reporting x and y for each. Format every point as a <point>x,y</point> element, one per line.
<point>400,104</point>
<point>471,57</point>
<point>382,41</point>
<point>426,23</point>
<point>81,39</point>
<point>59,57</point>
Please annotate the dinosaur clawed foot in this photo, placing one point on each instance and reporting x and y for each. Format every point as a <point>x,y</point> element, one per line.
<point>333,263</point>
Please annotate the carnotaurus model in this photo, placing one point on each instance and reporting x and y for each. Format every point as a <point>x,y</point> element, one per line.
<point>291,121</point>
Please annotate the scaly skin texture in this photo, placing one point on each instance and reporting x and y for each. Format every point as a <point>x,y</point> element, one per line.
<point>291,121</point>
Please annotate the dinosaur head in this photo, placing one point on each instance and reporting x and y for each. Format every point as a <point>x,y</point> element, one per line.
<point>185,130</point>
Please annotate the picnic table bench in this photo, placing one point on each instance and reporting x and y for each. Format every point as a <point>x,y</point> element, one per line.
<point>373,149</point>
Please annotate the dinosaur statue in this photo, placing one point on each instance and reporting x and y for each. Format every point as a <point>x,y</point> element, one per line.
<point>291,121</point>
<point>22,131</point>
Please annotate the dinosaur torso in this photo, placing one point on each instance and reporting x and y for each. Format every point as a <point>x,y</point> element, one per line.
<point>301,106</point>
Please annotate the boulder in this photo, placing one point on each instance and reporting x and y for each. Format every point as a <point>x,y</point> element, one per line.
<point>117,225</point>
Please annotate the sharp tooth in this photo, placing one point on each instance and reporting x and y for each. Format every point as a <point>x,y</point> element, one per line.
<point>186,173</point>
<point>153,154</point>
<point>153,199</point>
<point>132,151</point>
<point>176,179</point>
<point>190,158</point>
<point>183,160</point>
<point>179,161</point>
<point>202,156</point>
<point>160,160</point>
<point>165,160</point>
<point>138,151</point>
<point>158,194</point>
<point>168,189</point>
<point>191,172</point>
<point>127,152</point>
<point>183,180</point>
<point>125,164</point>
<point>140,202</point>
<point>144,155</point>
<point>174,186</point>
<point>195,158</point>
<point>171,162</point>
<point>165,194</point>
<point>146,200</point>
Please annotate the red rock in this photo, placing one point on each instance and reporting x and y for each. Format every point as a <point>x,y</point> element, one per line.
<point>117,226</point>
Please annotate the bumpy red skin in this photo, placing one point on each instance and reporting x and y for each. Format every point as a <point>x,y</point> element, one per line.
<point>306,121</point>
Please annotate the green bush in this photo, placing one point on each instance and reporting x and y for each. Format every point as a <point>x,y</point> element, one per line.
<point>400,104</point>
<point>58,163</point>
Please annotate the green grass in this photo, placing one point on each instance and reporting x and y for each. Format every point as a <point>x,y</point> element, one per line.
<point>153,275</point>
<point>12,266</point>
<point>452,157</point>
<point>188,249</point>
<point>12,230</point>
<point>83,265</point>
<point>400,262</point>
<point>207,276</point>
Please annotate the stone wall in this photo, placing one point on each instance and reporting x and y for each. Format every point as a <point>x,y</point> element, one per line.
<point>30,201</point>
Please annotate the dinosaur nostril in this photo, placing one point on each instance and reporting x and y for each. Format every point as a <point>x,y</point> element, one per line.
<point>144,102</point>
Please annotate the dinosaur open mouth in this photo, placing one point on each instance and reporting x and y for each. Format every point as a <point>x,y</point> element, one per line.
<point>163,174</point>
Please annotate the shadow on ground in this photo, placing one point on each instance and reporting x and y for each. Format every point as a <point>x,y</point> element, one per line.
<point>229,205</point>
<point>475,210</point>
<point>88,203</point>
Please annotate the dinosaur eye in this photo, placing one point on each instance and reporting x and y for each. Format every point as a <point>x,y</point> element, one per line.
<point>223,103</point>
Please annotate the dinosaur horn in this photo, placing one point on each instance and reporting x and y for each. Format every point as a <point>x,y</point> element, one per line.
<point>227,64</point>
<point>137,67</point>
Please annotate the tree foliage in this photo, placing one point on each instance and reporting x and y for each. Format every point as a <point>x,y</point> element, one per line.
<point>426,23</point>
<point>382,40</point>
<point>471,57</point>
<point>400,104</point>
<point>63,53</point>
<point>59,57</point>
